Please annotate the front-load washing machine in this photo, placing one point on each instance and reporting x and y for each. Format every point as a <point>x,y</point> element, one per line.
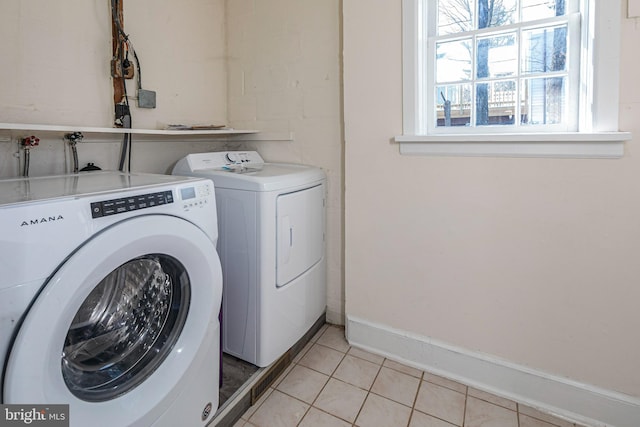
<point>271,219</point>
<point>110,289</point>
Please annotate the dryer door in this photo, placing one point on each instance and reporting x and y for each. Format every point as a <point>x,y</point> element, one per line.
<point>117,331</point>
<point>300,232</point>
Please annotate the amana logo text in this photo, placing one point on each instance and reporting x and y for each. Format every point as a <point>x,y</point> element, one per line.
<point>42,220</point>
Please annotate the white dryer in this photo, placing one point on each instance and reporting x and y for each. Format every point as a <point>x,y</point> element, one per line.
<point>271,219</point>
<point>110,289</point>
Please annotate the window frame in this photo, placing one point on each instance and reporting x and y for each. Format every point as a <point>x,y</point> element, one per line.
<point>596,133</point>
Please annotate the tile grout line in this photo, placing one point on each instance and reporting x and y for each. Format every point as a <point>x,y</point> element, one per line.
<point>274,388</point>
<point>311,404</point>
<point>466,400</point>
<point>344,354</point>
<point>415,398</point>
<point>368,393</point>
<point>314,399</point>
<point>448,388</point>
<point>391,399</point>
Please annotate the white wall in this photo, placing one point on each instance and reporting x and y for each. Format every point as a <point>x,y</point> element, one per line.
<point>56,70</point>
<point>55,62</point>
<point>284,79</point>
<point>535,261</point>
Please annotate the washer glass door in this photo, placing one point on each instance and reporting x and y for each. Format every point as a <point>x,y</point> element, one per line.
<point>125,327</point>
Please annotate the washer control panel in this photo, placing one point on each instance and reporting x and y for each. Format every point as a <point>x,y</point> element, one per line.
<point>131,203</point>
<point>195,195</point>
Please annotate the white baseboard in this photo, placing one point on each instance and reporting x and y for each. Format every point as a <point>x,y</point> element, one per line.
<point>571,400</point>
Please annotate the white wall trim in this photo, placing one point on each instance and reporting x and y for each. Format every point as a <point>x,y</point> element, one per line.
<point>562,397</point>
<point>558,150</point>
<point>607,145</point>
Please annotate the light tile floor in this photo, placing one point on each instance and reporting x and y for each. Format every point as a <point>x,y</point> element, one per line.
<point>330,384</point>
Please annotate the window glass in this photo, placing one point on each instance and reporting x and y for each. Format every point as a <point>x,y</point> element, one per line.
<point>495,67</point>
<point>496,56</point>
<point>495,103</point>
<point>543,100</point>
<point>496,13</point>
<point>453,61</point>
<point>455,16</point>
<point>540,9</point>
<point>544,49</point>
<point>453,105</point>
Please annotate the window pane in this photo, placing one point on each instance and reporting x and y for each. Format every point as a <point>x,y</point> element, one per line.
<point>495,103</point>
<point>455,16</point>
<point>496,56</point>
<point>453,61</point>
<point>483,74</point>
<point>544,49</point>
<point>453,105</point>
<point>543,101</point>
<point>539,9</point>
<point>494,13</point>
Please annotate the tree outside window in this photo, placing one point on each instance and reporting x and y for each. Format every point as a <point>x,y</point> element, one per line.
<point>500,62</point>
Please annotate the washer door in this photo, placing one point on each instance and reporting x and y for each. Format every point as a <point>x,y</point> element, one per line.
<point>118,326</point>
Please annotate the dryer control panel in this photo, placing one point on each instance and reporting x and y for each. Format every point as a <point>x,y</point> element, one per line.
<point>216,160</point>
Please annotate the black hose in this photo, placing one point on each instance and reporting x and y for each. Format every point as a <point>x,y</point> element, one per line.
<point>126,142</point>
<point>74,150</point>
<point>26,163</point>
<point>123,151</point>
<point>130,154</point>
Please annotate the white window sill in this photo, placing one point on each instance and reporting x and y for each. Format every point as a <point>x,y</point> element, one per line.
<point>559,145</point>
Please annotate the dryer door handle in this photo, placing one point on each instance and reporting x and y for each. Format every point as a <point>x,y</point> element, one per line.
<point>286,239</point>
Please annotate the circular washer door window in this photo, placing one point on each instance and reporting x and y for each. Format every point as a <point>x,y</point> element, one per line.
<point>126,327</point>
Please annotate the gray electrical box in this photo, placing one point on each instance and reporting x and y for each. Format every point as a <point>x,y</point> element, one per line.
<point>146,98</point>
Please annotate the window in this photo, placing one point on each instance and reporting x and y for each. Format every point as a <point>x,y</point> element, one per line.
<point>500,63</point>
<point>535,70</point>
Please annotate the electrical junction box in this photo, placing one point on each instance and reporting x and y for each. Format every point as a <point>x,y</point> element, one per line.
<point>146,98</point>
